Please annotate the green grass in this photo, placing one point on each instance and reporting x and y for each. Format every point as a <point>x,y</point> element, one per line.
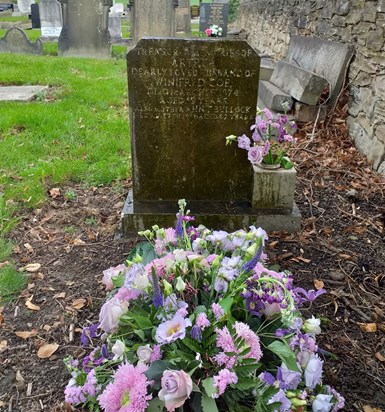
<point>77,132</point>
<point>13,19</point>
<point>11,282</point>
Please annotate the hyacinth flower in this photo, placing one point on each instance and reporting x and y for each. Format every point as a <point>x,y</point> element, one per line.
<point>157,295</point>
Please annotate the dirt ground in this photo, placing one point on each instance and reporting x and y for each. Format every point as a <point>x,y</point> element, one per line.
<point>340,246</point>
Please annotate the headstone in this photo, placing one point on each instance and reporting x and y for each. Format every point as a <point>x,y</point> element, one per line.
<point>185,97</point>
<point>183,17</point>
<point>51,18</point>
<point>6,6</point>
<point>21,93</point>
<point>25,6</point>
<point>194,12</point>
<point>16,41</point>
<point>117,8</point>
<point>214,13</point>
<point>115,27</point>
<point>85,29</point>
<point>152,18</point>
<point>35,16</point>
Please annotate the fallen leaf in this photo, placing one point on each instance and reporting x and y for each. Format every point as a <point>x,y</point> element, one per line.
<point>55,192</point>
<point>1,404</point>
<point>272,245</point>
<point>368,408</point>
<point>318,284</point>
<point>3,345</point>
<point>3,264</point>
<point>47,350</point>
<point>79,242</point>
<point>19,377</point>
<point>344,256</point>
<point>79,303</point>
<point>304,260</point>
<point>39,275</point>
<point>27,334</point>
<point>29,247</point>
<point>31,305</point>
<point>368,327</point>
<point>1,318</point>
<point>60,295</point>
<point>380,357</point>
<point>31,267</point>
<point>30,286</point>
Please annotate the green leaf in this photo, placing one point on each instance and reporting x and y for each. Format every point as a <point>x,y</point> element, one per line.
<point>156,369</point>
<point>209,404</point>
<point>226,304</point>
<point>143,323</point>
<point>208,386</point>
<point>196,388</point>
<point>155,405</point>
<point>140,333</point>
<point>287,356</point>
<point>245,384</point>
<point>145,250</point>
<point>192,344</point>
<point>246,369</point>
<point>286,163</point>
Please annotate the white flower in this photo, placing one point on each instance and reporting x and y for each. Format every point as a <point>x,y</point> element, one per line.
<point>141,281</point>
<point>144,354</point>
<point>322,403</point>
<point>312,326</point>
<point>180,285</point>
<point>118,349</point>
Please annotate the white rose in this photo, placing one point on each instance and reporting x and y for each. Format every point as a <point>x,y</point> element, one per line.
<point>144,354</point>
<point>118,349</point>
<point>312,326</point>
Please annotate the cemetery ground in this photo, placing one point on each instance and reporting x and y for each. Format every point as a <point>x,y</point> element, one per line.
<point>64,171</point>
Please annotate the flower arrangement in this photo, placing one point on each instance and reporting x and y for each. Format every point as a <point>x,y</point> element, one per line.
<point>271,139</point>
<point>214,31</point>
<point>197,321</point>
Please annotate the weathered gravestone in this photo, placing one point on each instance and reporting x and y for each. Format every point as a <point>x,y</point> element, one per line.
<point>183,17</point>
<point>185,97</point>
<point>16,41</point>
<point>194,12</point>
<point>85,29</point>
<point>25,6</point>
<point>35,16</point>
<point>152,18</point>
<point>115,27</point>
<point>51,18</point>
<point>214,13</point>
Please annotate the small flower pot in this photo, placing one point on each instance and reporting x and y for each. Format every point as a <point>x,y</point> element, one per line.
<point>268,167</point>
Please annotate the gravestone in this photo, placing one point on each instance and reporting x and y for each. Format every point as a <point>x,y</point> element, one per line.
<point>85,29</point>
<point>117,8</point>
<point>25,6</point>
<point>115,27</point>
<point>51,18</point>
<point>152,18</point>
<point>194,12</point>
<point>35,16</point>
<point>183,17</point>
<point>214,13</point>
<point>16,41</point>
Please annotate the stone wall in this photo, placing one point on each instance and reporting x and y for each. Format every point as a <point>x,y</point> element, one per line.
<point>270,23</point>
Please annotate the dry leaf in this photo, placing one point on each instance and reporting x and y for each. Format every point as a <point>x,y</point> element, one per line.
<point>1,318</point>
<point>368,408</point>
<point>304,260</point>
<point>55,192</point>
<point>60,295</point>
<point>30,286</point>
<point>380,357</point>
<point>31,305</point>
<point>344,256</point>
<point>19,377</point>
<point>318,284</point>
<point>26,334</point>
<point>272,245</point>
<point>3,345</point>
<point>79,303</point>
<point>1,404</point>
<point>368,327</point>
<point>31,267</point>
<point>79,242</point>
<point>47,350</point>
<point>29,247</point>
<point>3,264</point>
<point>39,276</point>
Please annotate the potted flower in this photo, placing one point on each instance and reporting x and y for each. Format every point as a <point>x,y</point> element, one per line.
<point>214,31</point>
<point>272,137</point>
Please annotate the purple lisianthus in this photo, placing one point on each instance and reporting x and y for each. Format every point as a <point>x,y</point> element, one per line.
<point>288,379</point>
<point>280,397</point>
<point>196,333</point>
<point>313,372</point>
<point>172,330</point>
<point>255,154</point>
<point>244,142</point>
<point>307,296</point>
<point>322,403</point>
<point>89,333</point>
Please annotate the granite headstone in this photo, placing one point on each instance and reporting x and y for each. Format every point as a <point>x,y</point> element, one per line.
<point>51,18</point>
<point>214,13</point>
<point>25,6</point>
<point>152,18</point>
<point>85,29</point>
<point>115,27</point>
<point>35,16</point>
<point>16,41</point>
<point>185,97</point>
<point>183,17</point>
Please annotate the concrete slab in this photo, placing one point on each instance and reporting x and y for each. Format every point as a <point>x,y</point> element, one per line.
<point>266,69</point>
<point>303,85</point>
<point>273,97</point>
<point>132,221</point>
<point>20,93</point>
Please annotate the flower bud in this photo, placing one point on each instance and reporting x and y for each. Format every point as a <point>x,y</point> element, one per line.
<point>167,288</point>
<point>180,285</point>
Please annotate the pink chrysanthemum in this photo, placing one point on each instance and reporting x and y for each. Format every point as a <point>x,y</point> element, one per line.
<point>202,321</point>
<point>217,310</point>
<point>128,391</point>
<point>222,380</point>
<point>225,340</point>
<point>156,353</point>
<point>76,393</point>
<point>251,339</point>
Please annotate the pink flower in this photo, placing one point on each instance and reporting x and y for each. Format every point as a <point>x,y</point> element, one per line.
<point>176,388</point>
<point>111,313</point>
<point>156,353</point>
<point>208,32</point>
<point>127,392</point>
<point>222,380</point>
<point>217,310</point>
<point>202,321</point>
<point>251,339</point>
<point>111,273</point>
<point>255,154</point>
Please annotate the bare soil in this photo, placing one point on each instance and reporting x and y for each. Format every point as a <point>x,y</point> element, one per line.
<point>340,246</point>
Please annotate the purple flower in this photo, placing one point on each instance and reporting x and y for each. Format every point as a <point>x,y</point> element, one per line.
<point>89,333</point>
<point>280,397</point>
<point>80,387</point>
<point>255,154</point>
<point>288,379</point>
<point>157,296</point>
<point>217,310</point>
<point>250,265</point>
<point>172,330</point>
<point>179,226</point>
<point>196,333</point>
<point>313,372</point>
<point>309,296</point>
<point>202,322</point>
<point>244,142</point>
<point>322,403</point>
<point>267,377</point>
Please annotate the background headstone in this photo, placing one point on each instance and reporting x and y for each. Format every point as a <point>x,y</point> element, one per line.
<point>185,97</point>
<point>35,16</point>
<point>85,29</point>
<point>183,17</point>
<point>115,27</point>
<point>194,11</point>
<point>214,13</point>
<point>152,18</point>
<point>51,18</point>
<point>16,41</point>
<point>25,6</point>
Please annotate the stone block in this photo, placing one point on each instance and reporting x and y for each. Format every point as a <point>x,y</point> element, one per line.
<point>381,6</point>
<point>375,39</point>
<point>266,69</point>
<point>376,153</point>
<point>273,97</point>
<point>370,11</point>
<point>20,93</point>
<point>274,189</point>
<point>16,41</point>
<point>301,84</point>
<point>381,169</point>
<point>380,133</point>
<point>343,7</point>
<point>305,113</point>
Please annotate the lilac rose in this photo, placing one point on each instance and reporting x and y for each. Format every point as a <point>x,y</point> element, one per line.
<point>255,154</point>
<point>176,388</point>
<point>111,273</point>
<point>110,314</point>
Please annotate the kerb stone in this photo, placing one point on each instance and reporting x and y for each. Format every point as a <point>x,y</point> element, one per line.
<point>301,84</point>
<point>273,97</point>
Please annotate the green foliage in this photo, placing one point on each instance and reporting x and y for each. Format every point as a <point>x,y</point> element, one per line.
<point>283,351</point>
<point>11,282</point>
<point>233,10</point>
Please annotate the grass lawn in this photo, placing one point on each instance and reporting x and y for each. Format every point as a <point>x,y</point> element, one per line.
<point>78,131</point>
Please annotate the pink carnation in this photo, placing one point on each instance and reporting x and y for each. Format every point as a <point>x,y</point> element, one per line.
<point>128,391</point>
<point>222,380</point>
<point>251,339</point>
<point>202,321</point>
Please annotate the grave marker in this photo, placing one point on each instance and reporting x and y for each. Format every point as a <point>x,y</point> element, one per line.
<point>183,17</point>
<point>35,16</point>
<point>16,41</point>
<point>85,29</point>
<point>25,6</point>
<point>51,18</point>
<point>214,13</point>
